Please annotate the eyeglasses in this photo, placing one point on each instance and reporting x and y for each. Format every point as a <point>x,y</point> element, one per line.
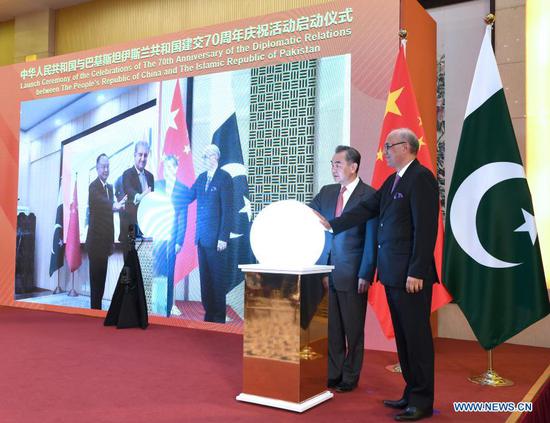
<point>337,165</point>
<point>388,146</point>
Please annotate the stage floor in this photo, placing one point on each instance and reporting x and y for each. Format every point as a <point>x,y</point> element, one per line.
<point>68,368</point>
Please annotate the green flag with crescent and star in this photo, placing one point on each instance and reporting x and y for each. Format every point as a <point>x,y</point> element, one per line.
<point>492,261</point>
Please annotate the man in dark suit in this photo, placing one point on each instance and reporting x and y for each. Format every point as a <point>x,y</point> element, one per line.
<point>137,182</point>
<point>165,256</point>
<point>100,236</point>
<point>213,192</point>
<point>407,205</point>
<point>353,254</point>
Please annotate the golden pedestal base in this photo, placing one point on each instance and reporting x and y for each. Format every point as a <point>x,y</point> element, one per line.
<point>285,340</point>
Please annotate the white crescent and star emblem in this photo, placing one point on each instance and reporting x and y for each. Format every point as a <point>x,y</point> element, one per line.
<point>466,203</point>
<point>234,170</point>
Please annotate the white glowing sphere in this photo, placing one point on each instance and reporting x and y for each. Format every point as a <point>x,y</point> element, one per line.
<point>156,216</point>
<point>287,233</point>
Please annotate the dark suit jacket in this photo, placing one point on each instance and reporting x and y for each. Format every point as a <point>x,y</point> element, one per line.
<point>352,252</point>
<point>101,232</point>
<point>214,208</point>
<point>131,186</point>
<point>407,227</point>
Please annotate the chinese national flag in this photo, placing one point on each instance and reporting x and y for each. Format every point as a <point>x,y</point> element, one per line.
<point>176,142</point>
<point>402,112</point>
<point>72,249</point>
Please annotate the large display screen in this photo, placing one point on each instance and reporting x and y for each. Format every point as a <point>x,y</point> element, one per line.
<point>188,136</point>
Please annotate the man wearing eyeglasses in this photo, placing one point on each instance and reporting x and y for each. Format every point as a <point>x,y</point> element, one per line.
<point>101,231</point>
<point>353,254</point>
<point>407,205</point>
<point>213,191</point>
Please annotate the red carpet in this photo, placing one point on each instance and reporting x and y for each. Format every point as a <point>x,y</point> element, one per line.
<point>68,368</point>
<point>193,310</point>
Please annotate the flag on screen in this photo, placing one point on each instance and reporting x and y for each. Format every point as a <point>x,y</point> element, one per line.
<point>57,254</point>
<point>176,143</point>
<point>226,138</point>
<point>493,264</point>
<point>402,112</point>
<point>72,251</point>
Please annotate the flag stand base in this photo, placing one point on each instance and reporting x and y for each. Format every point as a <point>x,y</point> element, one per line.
<point>58,289</point>
<point>394,368</point>
<point>72,292</point>
<point>490,377</point>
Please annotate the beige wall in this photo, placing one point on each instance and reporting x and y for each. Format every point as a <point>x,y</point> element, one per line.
<point>6,42</point>
<point>34,35</point>
<point>510,54</point>
<point>104,22</point>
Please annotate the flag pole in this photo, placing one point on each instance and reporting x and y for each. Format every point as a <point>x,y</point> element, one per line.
<point>58,289</point>
<point>490,377</point>
<point>72,292</point>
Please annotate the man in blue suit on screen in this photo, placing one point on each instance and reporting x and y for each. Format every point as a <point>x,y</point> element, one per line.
<point>213,191</point>
<point>353,254</point>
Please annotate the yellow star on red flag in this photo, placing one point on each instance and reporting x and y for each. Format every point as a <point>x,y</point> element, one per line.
<point>421,142</point>
<point>391,105</point>
<point>379,155</point>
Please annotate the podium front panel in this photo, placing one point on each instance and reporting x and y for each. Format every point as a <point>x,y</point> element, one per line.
<point>285,336</point>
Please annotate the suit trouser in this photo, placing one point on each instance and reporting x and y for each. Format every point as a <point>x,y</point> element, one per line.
<point>413,335</point>
<point>98,272</point>
<point>212,265</point>
<point>346,335</point>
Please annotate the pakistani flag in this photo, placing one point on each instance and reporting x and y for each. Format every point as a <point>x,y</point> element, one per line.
<point>57,256</point>
<point>492,261</point>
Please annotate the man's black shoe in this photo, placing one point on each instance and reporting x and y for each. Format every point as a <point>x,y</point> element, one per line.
<point>333,383</point>
<point>399,404</point>
<point>412,414</point>
<point>346,387</point>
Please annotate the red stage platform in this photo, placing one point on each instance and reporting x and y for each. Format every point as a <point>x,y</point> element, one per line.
<point>69,368</point>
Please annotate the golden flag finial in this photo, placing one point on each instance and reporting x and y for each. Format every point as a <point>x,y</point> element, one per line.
<point>402,34</point>
<point>489,19</point>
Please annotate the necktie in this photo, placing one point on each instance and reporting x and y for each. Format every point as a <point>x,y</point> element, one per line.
<point>208,180</point>
<point>107,191</point>
<point>340,202</point>
<point>143,181</point>
<point>395,182</point>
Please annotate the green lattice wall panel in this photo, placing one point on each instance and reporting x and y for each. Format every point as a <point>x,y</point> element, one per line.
<point>282,124</point>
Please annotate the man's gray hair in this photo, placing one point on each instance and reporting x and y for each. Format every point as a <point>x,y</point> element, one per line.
<point>405,134</point>
<point>143,144</point>
<point>212,149</point>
